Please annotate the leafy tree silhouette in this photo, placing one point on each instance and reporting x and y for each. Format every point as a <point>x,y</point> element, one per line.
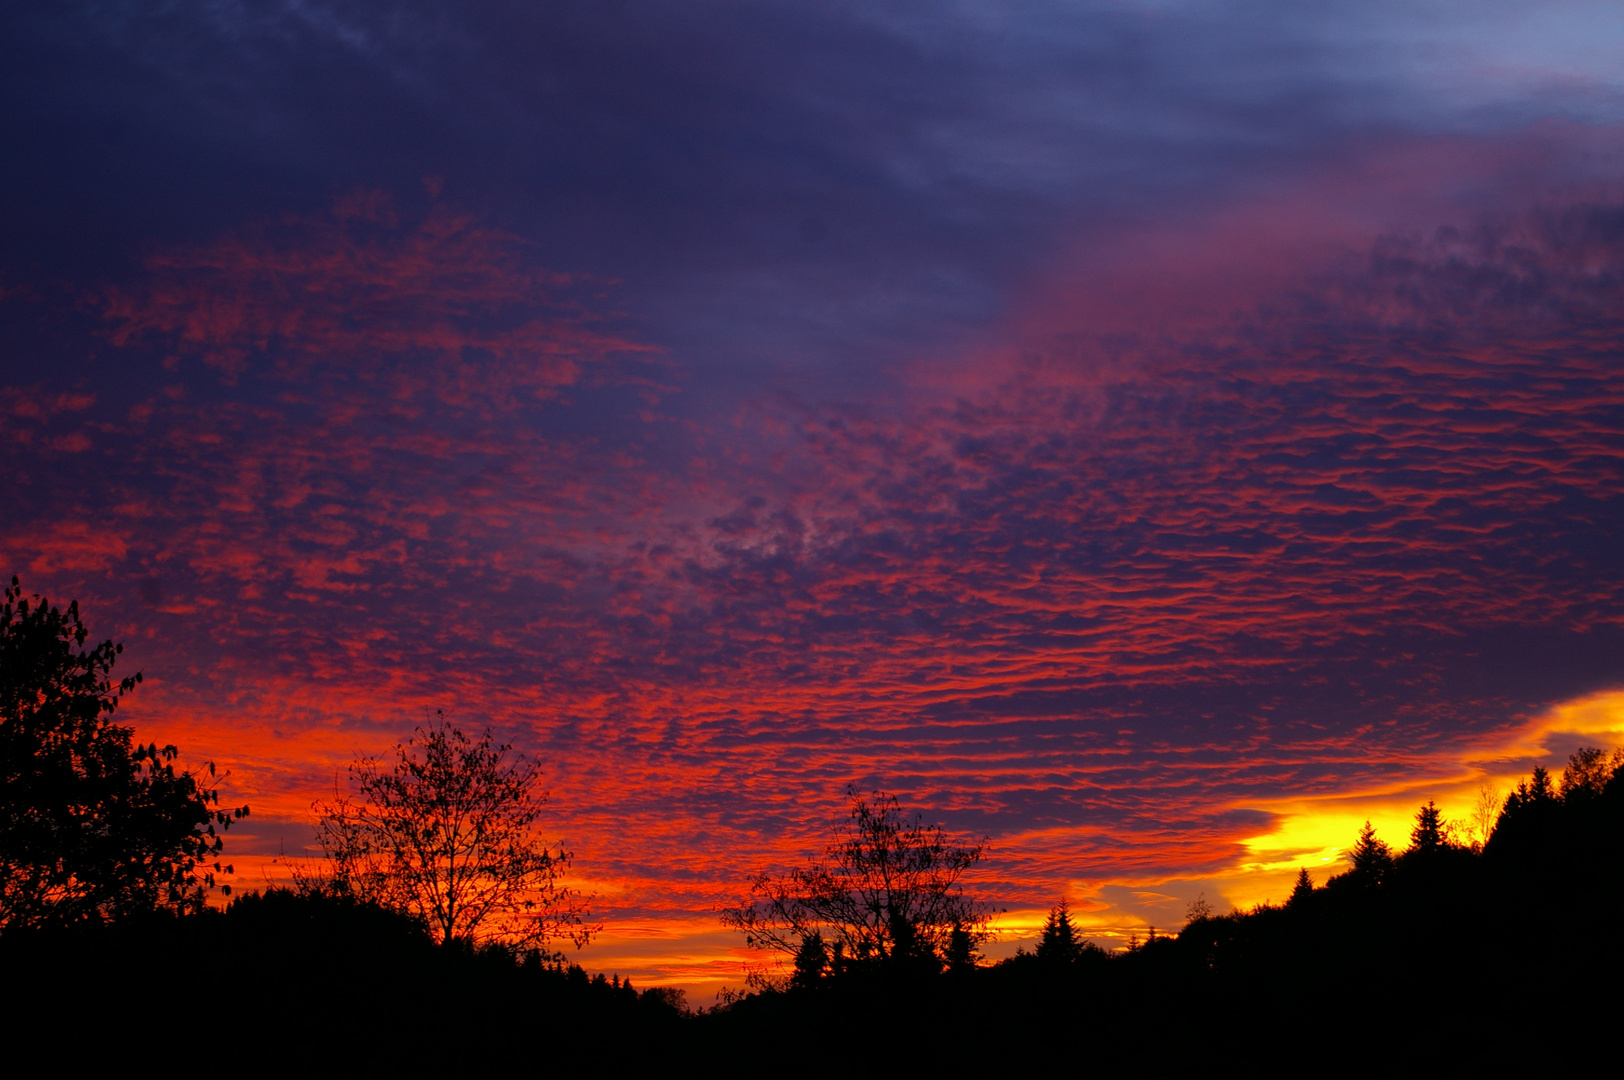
<point>92,826</point>
<point>447,834</point>
<point>885,895</point>
<point>1588,772</point>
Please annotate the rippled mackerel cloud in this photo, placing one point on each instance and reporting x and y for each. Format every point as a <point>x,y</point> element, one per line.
<point>1119,483</point>
<point>1088,609</point>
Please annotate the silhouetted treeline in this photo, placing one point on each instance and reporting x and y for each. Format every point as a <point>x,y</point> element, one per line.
<point>1437,957</point>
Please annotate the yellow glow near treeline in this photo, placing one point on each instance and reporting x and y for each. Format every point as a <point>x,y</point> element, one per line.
<point>1315,832</point>
<point>695,952</point>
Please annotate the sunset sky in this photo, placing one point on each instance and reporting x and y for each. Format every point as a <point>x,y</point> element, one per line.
<point>1154,437</point>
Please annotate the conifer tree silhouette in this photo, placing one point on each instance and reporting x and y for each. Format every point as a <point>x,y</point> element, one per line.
<point>1429,834</point>
<point>1303,889</point>
<point>1059,943</point>
<point>811,960</point>
<point>962,954</point>
<point>1371,858</point>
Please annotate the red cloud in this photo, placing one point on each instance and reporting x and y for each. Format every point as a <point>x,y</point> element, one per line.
<point>1095,610</point>
<point>357,291</point>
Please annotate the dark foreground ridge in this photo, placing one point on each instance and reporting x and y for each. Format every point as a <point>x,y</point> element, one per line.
<point>1439,957</point>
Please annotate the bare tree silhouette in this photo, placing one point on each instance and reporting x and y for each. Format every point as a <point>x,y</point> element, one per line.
<point>886,893</point>
<point>447,833</point>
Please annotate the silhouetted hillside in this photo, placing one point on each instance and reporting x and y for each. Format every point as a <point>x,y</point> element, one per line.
<point>1439,957</point>
<point>325,983</point>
